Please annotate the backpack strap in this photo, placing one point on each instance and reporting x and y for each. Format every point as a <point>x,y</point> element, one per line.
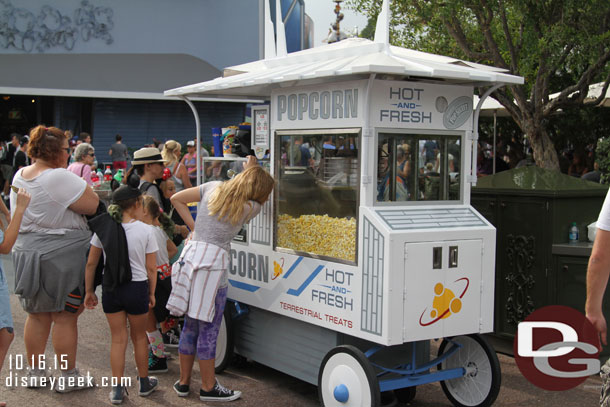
<point>164,202</point>
<point>145,186</point>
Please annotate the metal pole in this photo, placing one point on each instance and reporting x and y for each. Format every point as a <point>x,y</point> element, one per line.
<point>475,132</point>
<point>368,150</point>
<point>495,117</point>
<point>198,144</point>
<point>289,12</point>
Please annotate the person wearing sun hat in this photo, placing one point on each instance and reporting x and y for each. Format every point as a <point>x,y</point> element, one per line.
<point>148,164</point>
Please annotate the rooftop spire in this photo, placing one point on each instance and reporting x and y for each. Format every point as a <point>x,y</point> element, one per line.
<point>269,50</point>
<point>382,30</point>
<point>280,31</point>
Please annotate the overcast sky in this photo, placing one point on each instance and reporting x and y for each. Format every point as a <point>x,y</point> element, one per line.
<point>322,12</point>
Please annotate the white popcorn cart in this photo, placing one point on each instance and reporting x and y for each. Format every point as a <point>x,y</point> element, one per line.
<point>369,247</point>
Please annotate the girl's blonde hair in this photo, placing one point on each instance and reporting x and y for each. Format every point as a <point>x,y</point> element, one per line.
<point>169,152</point>
<point>228,199</point>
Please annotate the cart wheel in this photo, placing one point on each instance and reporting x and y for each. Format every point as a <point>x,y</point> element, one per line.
<point>480,386</point>
<point>388,399</point>
<point>224,343</point>
<point>346,378</point>
<point>406,394</point>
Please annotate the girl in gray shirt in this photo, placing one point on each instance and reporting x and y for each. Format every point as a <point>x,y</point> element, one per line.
<point>222,210</point>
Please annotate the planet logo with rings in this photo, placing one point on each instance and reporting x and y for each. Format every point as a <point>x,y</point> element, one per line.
<point>445,302</point>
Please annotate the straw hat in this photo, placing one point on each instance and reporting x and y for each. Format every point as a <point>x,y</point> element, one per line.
<point>147,155</point>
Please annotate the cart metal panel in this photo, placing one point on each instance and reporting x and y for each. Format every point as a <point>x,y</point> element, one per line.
<point>442,283</point>
<point>372,278</point>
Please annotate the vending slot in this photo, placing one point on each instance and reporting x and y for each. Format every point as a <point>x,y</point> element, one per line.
<point>453,256</point>
<point>437,257</point>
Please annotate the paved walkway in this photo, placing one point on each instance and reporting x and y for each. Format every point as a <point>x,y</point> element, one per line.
<point>260,385</point>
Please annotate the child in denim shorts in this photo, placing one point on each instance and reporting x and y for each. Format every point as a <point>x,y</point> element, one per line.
<point>8,239</point>
<point>132,291</point>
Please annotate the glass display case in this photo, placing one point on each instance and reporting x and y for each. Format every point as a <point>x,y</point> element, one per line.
<point>418,167</point>
<point>318,178</point>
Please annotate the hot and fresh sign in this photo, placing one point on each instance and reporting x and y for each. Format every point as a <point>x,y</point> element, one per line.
<point>421,105</point>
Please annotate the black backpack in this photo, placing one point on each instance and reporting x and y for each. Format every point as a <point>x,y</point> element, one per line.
<point>165,203</point>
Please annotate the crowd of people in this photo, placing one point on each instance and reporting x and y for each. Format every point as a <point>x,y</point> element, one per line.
<point>157,266</point>
<point>418,166</point>
<point>577,162</point>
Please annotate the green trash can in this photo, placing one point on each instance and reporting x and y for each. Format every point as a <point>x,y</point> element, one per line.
<point>532,210</point>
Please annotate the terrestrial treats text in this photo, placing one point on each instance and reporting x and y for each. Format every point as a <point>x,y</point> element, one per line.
<point>316,314</point>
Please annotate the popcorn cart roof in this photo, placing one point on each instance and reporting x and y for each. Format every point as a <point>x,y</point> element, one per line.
<point>353,58</point>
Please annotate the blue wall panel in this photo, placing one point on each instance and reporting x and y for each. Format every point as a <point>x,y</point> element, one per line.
<point>139,121</point>
<point>293,26</point>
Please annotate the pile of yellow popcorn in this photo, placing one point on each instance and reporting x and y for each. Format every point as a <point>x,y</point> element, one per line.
<point>318,234</point>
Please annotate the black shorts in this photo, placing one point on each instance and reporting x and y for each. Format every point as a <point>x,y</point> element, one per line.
<point>131,298</point>
<point>162,293</point>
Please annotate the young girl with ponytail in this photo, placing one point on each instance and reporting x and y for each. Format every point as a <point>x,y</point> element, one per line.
<point>128,283</point>
<point>162,228</point>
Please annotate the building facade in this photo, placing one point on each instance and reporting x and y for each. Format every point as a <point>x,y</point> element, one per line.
<point>101,66</point>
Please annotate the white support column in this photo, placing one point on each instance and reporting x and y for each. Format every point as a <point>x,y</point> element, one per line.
<point>475,131</point>
<point>198,130</point>
<point>367,149</point>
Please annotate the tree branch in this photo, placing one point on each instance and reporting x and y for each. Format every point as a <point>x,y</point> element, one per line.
<point>562,59</point>
<point>521,39</point>
<point>484,24</point>
<point>535,26</point>
<point>509,38</point>
<point>455,30</point>
<point>509,104</point>
<point>581,88</point>
<point>538,88</point>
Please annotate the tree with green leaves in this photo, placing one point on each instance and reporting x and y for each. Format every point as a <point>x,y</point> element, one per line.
<point>558,46</point>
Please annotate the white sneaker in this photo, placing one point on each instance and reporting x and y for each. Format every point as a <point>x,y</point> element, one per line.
<point>73,380</point>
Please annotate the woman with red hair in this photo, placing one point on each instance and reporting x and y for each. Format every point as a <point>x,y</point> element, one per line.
<point>50,254</point>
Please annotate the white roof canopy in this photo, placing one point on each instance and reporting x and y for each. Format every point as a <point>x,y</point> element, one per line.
<point>594,92</point>
<point>347,59</point>
<point>492,105</point>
